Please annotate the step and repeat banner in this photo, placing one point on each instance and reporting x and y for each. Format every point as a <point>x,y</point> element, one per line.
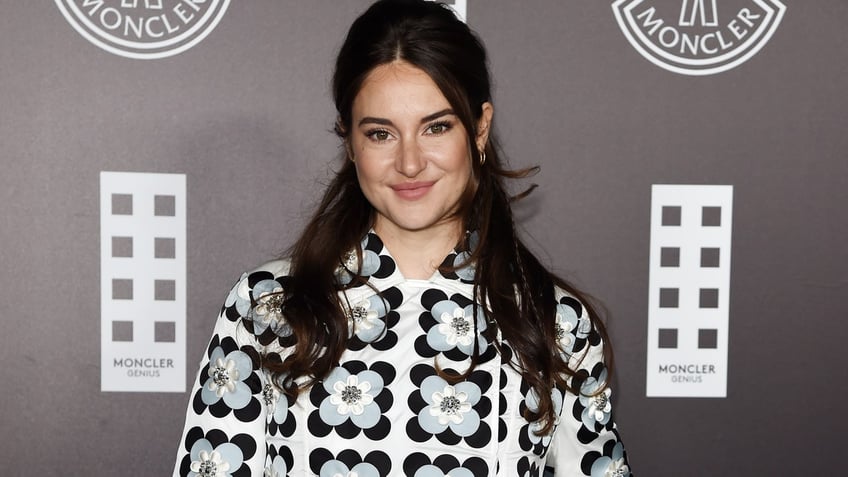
<point>694,177</point>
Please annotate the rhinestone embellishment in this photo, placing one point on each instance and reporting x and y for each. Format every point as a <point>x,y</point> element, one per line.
<point>560,332</point>
<point>358,313</point>
<point>220,376</point>
<point>351,395</point>
<point>460,326</point>
<point>601,401</point>
<point>268,394</point>
<point>274,304</point>
<point>350,261</point>
<point>450,405</point>
<point>208,469</point>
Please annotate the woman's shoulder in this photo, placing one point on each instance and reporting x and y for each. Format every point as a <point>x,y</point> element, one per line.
<point>256,279</point>
<point>276,268</point>
<point>256,301</point>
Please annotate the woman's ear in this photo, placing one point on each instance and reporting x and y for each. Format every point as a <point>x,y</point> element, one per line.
<point>484,125</point>
<point>341,131</point>
<point>349,150</point>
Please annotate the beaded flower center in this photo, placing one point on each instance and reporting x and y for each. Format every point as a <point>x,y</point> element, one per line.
<point>601,401</point>
<point>450,405</point>
<point>351,395</point>
<point>350,261</point>
<point>268,394</point>
<point>274,303</point>
<point>619,473</point>
<point>560,331</point>
<point>220,376</point>
<point>208,469</point>
<point>359,313</point>
<point>460,326</point>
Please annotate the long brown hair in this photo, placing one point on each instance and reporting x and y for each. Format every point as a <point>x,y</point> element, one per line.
<point>520,291</point>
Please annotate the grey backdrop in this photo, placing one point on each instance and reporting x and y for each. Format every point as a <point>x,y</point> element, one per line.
<point>246,116</point>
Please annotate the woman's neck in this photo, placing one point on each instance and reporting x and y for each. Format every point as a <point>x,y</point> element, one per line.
<point>418,253</point>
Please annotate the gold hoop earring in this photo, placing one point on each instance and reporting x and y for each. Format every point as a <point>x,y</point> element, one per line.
<point>482,158</point>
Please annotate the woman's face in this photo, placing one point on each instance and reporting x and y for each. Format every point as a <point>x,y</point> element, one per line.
<point>410,150</point>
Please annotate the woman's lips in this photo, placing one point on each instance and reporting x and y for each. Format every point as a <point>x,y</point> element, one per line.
<point>413,190</point>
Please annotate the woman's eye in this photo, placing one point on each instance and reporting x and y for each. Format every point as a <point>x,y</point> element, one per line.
<point>378,135</point>
<point>438,128</point>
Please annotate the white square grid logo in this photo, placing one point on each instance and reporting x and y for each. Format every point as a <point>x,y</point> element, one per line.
<point>142,282</point>
<point>689,290</point>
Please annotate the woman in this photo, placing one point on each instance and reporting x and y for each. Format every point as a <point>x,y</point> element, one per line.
<point>411,332</point>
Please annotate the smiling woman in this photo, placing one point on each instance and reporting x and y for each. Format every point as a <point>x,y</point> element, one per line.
<point>412,162</point>
<point>409,311</point>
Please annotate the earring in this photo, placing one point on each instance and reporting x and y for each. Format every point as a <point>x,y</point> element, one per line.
<point>482,157</point>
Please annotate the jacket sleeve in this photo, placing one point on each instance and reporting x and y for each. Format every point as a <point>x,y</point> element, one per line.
<point>586,440</point>
<point>227,415</point>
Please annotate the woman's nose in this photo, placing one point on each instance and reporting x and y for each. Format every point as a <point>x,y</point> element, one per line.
<point>410,161</point>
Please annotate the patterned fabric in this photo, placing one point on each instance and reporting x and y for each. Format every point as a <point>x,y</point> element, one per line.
<point>385,411</point>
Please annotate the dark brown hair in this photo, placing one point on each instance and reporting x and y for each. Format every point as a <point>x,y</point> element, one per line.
<point>519,289</point>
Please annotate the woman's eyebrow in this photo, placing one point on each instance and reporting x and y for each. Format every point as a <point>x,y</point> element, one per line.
<point>437,115</point>
<point>388,122</point>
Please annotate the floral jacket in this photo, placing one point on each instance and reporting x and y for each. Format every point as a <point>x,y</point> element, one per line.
<point>384,410</point>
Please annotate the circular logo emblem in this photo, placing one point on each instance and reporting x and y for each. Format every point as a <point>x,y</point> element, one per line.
<point>698,37</point>
<point>144,29</point>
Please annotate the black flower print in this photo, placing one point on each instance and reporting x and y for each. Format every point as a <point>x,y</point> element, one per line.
<point>349,463</point>
<point>528,468</point>
<point>229,382</point>
<point>610,462</point>
<point>573,328</point>
<point>370,320</point>
<point>278,461</point>
<point>281,421</point>
<point>454,327</point>
<point>374,262</point>
<point>450,412</point>
<point>214,454</point>
<point>456,265</point>
<point>529,437</point>
<point>419,465</point>
<point>592,408</point>
<point>352,399</point>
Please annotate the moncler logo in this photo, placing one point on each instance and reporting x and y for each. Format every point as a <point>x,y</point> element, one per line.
<point>143,29</point>
<point>698,37</point>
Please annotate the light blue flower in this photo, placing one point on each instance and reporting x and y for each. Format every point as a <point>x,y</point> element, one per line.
<point>226,379</point>
<point>535,427</point>
<point>351,397</point>
<point>269,309</point>
<point>364,318</point>
<point>220,461</point>
<point>449,406</point>
<point>433,471</point>
<point>350,266</point>
<point>336,468</point>
<point>466,270</point>
<point>612,466</point>
<point>455,328</point>
<point>240,296</point>
<point>277,410</point>
<point>277,468</point>
<point>596,406</point>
